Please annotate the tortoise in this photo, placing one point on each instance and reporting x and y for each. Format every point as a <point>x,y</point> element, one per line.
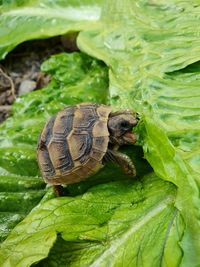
<point>80,139</point>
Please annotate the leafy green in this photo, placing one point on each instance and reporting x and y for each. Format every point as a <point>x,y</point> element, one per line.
<point>160,39</point>
<point>114,217</point>
<point>152,49</point>
<point>25,20</point>
<point>110,218</point>
<point>21,188</point>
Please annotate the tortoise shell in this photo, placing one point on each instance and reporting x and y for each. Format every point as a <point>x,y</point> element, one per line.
<point>73,143</point>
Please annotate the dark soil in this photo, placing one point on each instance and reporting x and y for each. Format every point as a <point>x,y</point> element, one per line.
<point>20,70</point>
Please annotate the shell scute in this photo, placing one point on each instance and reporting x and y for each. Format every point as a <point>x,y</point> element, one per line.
<point>100,129</point>
<point>73,143</point>
<point>80,145</point>
<point>100,143</point>
<point>85,117</point>
<point>64,121</point>
<point>60,155</point>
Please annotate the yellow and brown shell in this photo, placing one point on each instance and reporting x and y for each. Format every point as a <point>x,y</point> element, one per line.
<point>73,143</point>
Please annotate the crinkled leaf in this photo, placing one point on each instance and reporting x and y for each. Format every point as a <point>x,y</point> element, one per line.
<point>25,20</point>
<point>122,220</point>
<point>21,188</point>
<point>149,47</point>
<point>110,217</point>
<point>148,73</point>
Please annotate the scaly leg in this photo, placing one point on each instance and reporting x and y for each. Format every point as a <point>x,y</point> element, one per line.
<point>58,190</point>
<point>122,160</point>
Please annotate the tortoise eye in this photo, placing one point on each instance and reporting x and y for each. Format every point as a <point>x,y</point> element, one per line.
<point>125,124</point>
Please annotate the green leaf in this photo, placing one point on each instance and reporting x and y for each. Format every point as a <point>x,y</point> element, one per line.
<point>75,77</point>
<point>18,195</point>
<point>152,49</point>
<point>111,219</point>
<point>152,71</point>
<point>25,20</point>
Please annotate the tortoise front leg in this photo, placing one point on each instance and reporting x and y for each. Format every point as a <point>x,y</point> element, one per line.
<point>122,160</point>
<point>58,190</point>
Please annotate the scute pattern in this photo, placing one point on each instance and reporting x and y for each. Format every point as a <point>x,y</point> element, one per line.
<point>64,121</point>
<point>60,155</point>
<point>73,143</point>
<point>85,118</point>
<point>47,132</point>
<point>81,145</point>
<point>45,163</point>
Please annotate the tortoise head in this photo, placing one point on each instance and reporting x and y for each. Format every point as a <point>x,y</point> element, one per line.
<point>120,126</point>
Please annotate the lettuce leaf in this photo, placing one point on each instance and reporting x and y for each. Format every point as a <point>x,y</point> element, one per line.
<point>122,220</point>
<point>108,217</point>
<point>21,187</point>
<point>152,51</point>
<point>152,70</point>
<point>25,20</point>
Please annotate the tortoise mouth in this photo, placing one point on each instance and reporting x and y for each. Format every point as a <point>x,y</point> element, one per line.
<point>129,138</point>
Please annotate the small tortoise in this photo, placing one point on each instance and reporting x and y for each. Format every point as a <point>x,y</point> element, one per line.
<point>76,143</point>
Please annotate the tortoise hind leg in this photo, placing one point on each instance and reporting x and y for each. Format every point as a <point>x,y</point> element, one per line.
<point>122,160</point>
<point>58,190</point>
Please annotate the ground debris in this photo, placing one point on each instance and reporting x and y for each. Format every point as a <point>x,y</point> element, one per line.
<point>20,71</point>
<point>7,94</point>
